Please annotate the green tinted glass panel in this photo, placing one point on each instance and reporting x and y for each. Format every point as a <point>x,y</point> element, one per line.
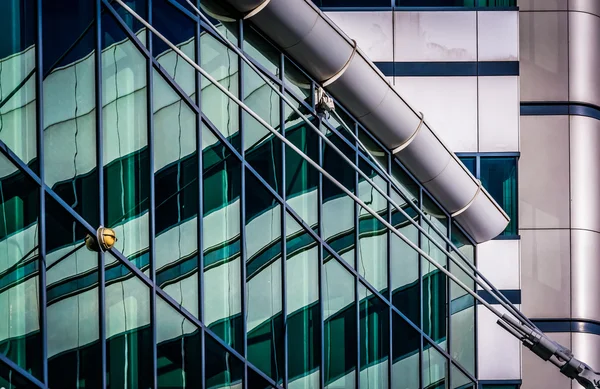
<point>222,185</point>
<point>470,163</point>
<point>303,307</point>
<point>407,187</point>
<point>263,149</point>
<point>264,315</point>
<point>459,380</point>
<point>176,196</point>
<point>72,313</point>
<point>296,81</point>
<point>125,137</point>
<point>20,338</point>
<point>339,309</point>
<point>404,261</point>
<point>17,84</point>
<point>257,48</point>
<point>181,31</point>
<point>10,379</point>
<point>374,150</point>
<point>70,118</point>
<point>406,343</point>
<point>128,330</point>
<point>178,349</point>
<point>301,178</point>
<point>499,176</point>
<point>373,235</point>
<point>255,380</point>
<point>374,340</point>
<point>223,369</point>
<point>223,65</point>
<point>462,305</point>
<point>337,223</point>
<point>434,369</point>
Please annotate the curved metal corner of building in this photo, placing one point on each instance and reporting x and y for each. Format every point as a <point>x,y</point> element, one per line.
<point>327,54</point>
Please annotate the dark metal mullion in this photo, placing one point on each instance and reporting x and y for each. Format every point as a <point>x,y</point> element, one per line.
<point>389,282</point>
<point>448,312</point>
<point>242,125</point>
<point>199,236</point>
<point>100,169</point>
<point>151,195</point>
<point>421,301</point>
<point>283,231</point>
<point>39,91</point>
<point>357,210</point>
<point>321,254</point>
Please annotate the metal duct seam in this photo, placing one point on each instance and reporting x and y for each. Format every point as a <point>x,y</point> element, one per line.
<point>307,36</point>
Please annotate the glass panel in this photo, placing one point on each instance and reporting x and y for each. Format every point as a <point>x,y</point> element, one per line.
<point>181,31</point>
<point>222,184</point>
<point>178,349</point>
<point>462,306</point>
<point>126,167</point>
<point>70,105</point>
<point>499,177</point>
<point>20,338</point>
<point>128,330</point>
<point>176,187</point>
<point>296,81</point>
<point>345,125</point>
<point>435,369</point>
<point>17,78</point>
<point>301,178</point>
<point>340,335</point>
<point>460,381</point>
<point>374,340</point>
<point>256,381</point>
<point>337,222</point>
<point>404,262</point>
<point>223,65</point>
<point>470,163</point>
<point>10,379</point>
<point>263,149</point>
<point>263,279</point>
<point>435,292</point>
<point>303,308</point>
<point>373,235</point>
<point>409,189</point>
<point>140,7</point>
<point>223,369</point>
<point>257,48</point>
<point>373,148</point>
<point>406,343</point>
<point>72,313</point>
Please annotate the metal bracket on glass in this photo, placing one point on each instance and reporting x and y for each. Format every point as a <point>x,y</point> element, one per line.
<point>333,78</point>
<point>479,187</point>
<point>411,138</point>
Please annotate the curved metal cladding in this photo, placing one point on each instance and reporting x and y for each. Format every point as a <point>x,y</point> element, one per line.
<point>311,39</point>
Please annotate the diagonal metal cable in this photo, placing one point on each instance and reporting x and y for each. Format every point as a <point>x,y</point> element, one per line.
<point>486,284</point>
<point>326,174</point>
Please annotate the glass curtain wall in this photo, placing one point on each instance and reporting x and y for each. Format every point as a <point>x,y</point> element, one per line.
<point>237,264</point>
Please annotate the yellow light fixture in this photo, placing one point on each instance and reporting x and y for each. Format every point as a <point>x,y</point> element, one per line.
<point>104,240</point>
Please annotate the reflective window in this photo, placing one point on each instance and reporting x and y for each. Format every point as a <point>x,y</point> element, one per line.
<point>340,335</point>
<point>10,379</point>
<point>458,380</point>
<point>222,185</point>
<point>264,310</point>
<point>20,338</point>
<point>406,344</point>
<point>374,340</point>
<point>223,369</point>
<point>72,312</point>
<point>303,307</point>
<point>499,177</point>
<point>434,369</point>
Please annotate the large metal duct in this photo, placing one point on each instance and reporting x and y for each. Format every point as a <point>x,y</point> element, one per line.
<point>304,33</point>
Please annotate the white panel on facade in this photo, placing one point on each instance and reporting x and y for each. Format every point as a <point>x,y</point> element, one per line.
<point>538,373</point>
<point>499,353</point>
<point>544,56</point>
<point>498,36</point>
<point>449,105</point>
<point>499,262</point>
<point>499,114</point>
<point>372,31</point>
<point>546,273</point>
<point>544,172</point>
<point>435,36</point>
